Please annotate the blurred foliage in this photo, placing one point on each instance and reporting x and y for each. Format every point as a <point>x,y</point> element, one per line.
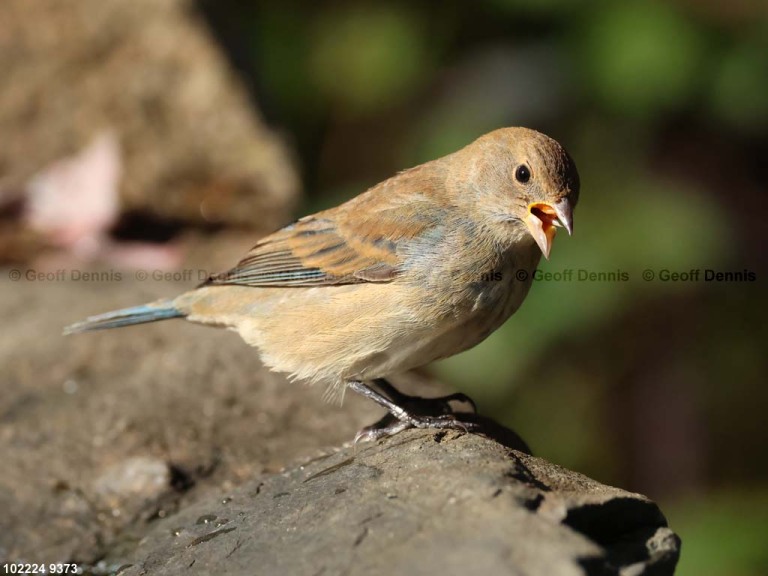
<point>656,385</point>
<point>366,59</point>
<point>725,534</point>
<point>740,82</point>
<point>642,58</point>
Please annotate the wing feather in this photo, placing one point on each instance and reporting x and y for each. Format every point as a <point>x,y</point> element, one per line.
<point>360,241</point>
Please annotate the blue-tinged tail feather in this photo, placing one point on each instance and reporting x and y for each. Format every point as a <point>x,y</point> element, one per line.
<point>161,310</point>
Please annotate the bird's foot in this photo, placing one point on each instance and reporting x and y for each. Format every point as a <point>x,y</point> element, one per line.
<point>390,425</point>
<point>410,411</point>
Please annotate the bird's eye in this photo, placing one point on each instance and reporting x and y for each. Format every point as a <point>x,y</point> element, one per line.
<point>522,174</point>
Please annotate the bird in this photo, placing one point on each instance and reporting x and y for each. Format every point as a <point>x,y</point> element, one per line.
<point>417,268</point>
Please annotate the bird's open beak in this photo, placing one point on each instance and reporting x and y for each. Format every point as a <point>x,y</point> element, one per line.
<point>542,218</point>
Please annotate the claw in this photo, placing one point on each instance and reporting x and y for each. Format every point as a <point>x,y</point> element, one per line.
<point>410,412</point>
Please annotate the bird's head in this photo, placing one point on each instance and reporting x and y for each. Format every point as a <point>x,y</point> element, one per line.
<point>525,183</point>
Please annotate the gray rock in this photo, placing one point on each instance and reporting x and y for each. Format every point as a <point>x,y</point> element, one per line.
<point>137,478</point>
<point>418,503</point>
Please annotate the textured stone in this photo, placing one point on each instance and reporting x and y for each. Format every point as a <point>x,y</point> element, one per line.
<point>419,503</point>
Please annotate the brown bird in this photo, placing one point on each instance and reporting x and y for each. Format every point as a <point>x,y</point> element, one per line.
<point>420,267</point>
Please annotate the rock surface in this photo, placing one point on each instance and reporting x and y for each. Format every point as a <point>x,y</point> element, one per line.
<point>419,503</point>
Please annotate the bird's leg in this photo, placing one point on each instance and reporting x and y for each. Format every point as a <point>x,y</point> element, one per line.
<point>404,399</point>
<point>407,411</point>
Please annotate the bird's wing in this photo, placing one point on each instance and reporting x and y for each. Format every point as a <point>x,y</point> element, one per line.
<point>360,241</point>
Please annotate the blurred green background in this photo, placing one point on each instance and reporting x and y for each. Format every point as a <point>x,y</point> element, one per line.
<point>656,386</point>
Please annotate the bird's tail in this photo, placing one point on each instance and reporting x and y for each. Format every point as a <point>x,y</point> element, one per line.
<point>160,310</point>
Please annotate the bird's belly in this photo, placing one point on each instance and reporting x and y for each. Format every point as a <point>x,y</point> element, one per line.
<point>494,308</point>
<point>486,308</point>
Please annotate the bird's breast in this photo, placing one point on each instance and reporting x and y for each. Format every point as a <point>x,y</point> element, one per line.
<point>489,301</point>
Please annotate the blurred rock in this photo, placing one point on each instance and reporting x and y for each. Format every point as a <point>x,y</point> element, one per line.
<point>422,502</point>
<point>192,147</point>
<point>135,479</point>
